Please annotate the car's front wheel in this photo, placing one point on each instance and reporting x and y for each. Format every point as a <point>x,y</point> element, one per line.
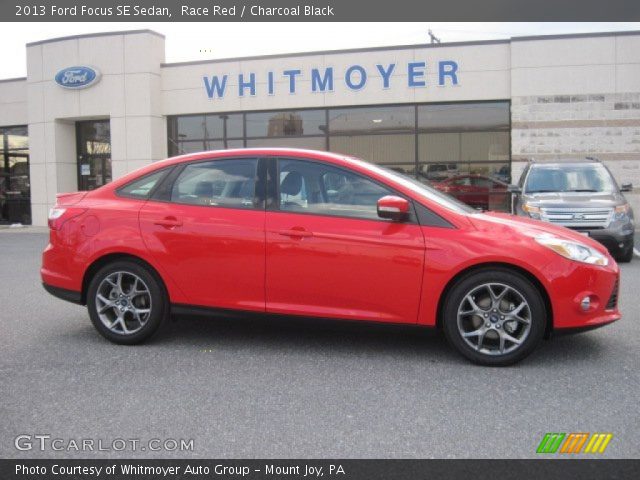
<point>494,317</point>
<point>126,302</point>
<point>626,253</point>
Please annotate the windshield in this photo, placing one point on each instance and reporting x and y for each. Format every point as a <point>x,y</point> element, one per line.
<point>426,191</point>
<point>569,178</point>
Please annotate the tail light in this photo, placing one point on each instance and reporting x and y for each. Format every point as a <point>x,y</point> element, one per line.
<point>58,216</point>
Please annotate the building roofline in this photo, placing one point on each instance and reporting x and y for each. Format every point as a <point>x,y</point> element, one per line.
<point>559,36</point>
<point>16,79</point>
<point>403,47</point>
<point>89,35</point>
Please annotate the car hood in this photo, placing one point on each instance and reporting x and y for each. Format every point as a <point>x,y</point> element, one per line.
<point>574,200</point>
<point>492,221</point>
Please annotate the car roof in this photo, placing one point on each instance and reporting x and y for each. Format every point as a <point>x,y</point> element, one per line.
<point>271,151</point>
<point>239,153</point>
<point>572,161</point>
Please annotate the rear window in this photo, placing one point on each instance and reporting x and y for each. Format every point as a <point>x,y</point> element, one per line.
<point>141,188</point>
<point>223,183</point>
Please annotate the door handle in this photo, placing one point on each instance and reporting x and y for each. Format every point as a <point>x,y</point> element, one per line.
<point>168,222</point>
<point>295,233</point>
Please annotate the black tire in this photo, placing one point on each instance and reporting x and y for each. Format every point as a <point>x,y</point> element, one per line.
<point>158,304</point>
<point>473,286</point>
<point>626,255</point>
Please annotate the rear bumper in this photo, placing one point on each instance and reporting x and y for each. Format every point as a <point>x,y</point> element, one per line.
<point>64,294</point>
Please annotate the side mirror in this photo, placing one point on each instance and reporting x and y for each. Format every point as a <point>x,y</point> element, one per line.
<point>394,208</point>
<point>514,189</point>
<point>626,187</point>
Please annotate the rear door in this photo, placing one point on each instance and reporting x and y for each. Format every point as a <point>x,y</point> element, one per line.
<point>330,255</point>
<point>205,226</point>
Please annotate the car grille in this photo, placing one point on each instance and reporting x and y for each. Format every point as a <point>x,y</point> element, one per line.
<point>578,217</point>
<point>613,299</point>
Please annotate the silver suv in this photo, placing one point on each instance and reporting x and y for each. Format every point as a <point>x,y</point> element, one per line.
<point>581,195</point>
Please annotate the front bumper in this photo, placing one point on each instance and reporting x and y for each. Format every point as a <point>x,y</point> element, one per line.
<point>616,241</point>
<point>571,282</point>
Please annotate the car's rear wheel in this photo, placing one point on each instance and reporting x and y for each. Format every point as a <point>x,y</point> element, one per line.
<point>494,317</point>
<point>126,302</point>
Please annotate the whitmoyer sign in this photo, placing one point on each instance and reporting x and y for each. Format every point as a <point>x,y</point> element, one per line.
<point>355,77</point>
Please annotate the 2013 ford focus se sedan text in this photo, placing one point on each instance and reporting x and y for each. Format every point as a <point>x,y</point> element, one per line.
<point>315,234</point>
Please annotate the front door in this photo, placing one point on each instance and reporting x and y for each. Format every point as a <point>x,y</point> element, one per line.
<point>94,153</point>
<point>207,233</point>
<point>330,255</point>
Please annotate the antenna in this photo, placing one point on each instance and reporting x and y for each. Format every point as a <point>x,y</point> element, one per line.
<point>433,38</point>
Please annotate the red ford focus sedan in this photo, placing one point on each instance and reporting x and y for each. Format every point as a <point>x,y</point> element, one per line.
<point>315,234</point>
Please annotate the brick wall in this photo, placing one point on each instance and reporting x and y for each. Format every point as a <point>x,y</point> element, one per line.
<point>562,127</point>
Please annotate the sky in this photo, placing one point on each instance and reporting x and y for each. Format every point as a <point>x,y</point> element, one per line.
<point>201,41</point>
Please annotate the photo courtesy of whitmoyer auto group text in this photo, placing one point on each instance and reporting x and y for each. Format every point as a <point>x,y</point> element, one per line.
<point>319,239</point>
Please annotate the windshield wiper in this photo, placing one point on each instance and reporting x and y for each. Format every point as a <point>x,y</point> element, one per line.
<point>541,191</point>
<point>583,190</point>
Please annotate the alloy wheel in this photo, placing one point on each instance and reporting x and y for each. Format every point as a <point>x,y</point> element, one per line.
<point>494,319</point>
<point>123,302</point>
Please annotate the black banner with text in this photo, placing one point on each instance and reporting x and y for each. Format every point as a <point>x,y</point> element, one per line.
<point>316,10</point>
<point>586,469</point>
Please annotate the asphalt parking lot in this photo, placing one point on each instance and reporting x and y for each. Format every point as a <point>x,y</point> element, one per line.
<point>254,389</point>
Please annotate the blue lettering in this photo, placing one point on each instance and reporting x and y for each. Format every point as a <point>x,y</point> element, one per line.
<point>215,86</point>
<point>349,81</point>
<point>251,84</point>
<point>319,83</point>
<point>270,82</point>
<point>447,68</point>
<point>386,74</point>
<point>292,79</point>
<point>416,77</point>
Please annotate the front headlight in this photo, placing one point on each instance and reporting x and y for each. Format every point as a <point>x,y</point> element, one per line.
<point>573,250</point>
<point>622,212</point>
<point>533,211</point>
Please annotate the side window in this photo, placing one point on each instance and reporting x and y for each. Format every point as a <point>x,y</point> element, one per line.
<point>325,190</point>
<point>482,182</point>
<point>141,188</point>
<point>462,182</point>
<point>219,183</point>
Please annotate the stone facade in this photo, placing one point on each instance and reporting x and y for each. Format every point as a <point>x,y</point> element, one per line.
<point>560,127</point>
<point>564,127</point>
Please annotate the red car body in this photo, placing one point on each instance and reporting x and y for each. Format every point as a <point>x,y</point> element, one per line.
<point>475,190</point>
<point>262,260</point>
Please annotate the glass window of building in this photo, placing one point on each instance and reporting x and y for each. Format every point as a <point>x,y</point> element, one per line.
<point>473,136</point>
<point>221,126</point>
<point>312,143</point>
<point>94,153</point>
<point>197,133</point>
<point>382,135</point>
<point>286,124</point>
<point>371,120</point>
<point>431,142</point>
<point>15,188</point>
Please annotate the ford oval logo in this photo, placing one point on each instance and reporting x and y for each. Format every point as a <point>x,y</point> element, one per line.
<point>77,77</point>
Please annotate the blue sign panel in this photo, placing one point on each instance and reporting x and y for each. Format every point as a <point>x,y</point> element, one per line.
<point>354,78</point>
<point>77,77</point>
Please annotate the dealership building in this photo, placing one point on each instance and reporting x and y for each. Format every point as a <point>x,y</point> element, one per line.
<point>94,107</point>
